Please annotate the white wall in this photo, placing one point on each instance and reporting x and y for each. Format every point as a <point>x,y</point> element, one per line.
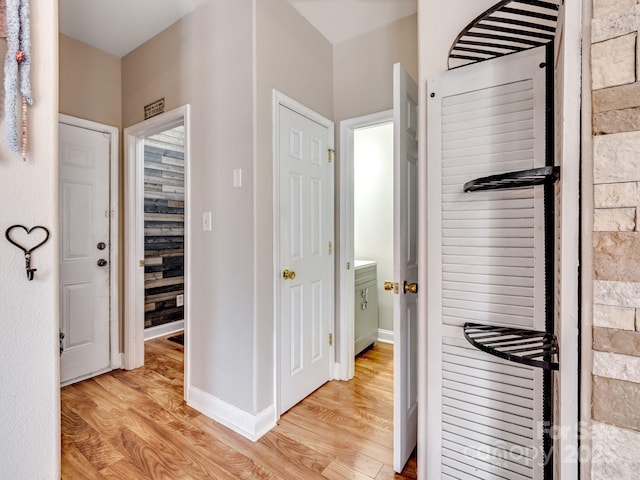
<point>363,67</point>
<point>373,207</point>
<point>29,376</point>
<point>205,59</point>
<point>439,23</point>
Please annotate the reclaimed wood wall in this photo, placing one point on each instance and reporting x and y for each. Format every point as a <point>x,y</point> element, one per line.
<point>164,227</point>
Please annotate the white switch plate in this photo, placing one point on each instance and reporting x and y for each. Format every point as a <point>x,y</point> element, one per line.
<point>237,178</point>
<point>206,221</point>
<point>179,300</point>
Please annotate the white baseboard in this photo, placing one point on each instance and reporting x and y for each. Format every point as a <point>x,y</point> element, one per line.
<point>385,336</point>
<point>162,330</point>
<point>249,426</point>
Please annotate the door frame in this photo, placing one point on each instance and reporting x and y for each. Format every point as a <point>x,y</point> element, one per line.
<point>114,225</point>
<point>280,99</point>
<point>133,356</point>
<point>345,367</point>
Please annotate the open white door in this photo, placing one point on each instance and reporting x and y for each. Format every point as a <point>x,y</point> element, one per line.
<point>84,252</point>
<point>405,261</point>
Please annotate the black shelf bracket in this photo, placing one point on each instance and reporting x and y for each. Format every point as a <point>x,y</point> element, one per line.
<point>520,179</point>
<point>528,347</point>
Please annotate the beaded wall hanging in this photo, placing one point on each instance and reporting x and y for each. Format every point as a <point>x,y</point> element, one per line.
<point>15,27</point>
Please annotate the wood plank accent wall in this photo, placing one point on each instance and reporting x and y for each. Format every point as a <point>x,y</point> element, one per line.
<point>164,226</point>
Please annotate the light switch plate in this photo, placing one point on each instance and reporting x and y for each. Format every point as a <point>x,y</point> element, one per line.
<point>206,221</point>
<point>237,178</point>
<point>179,300</point>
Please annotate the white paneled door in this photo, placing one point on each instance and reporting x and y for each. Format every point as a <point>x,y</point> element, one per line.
<point>405,264</point>
<point>306,256</point>
<point>84,251</point>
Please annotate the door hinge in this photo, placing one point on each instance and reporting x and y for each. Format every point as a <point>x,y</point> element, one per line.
<point>331,339</point>
<point>348,265</point>
<point>330,154</point>
<point>330,248</point>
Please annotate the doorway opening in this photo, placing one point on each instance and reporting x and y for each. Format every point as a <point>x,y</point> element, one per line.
<point>373,234</point>
<point>157,232</point>
<point>164,233</point>
<point>362,137</point>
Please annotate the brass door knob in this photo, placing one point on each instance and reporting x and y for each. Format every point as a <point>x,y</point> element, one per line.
<point>410,287</point>
<point>388,286</point>
<point>288,275</point>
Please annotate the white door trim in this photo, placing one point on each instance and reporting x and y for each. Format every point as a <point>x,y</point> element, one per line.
<point>134,234</point>
<point>280,99</point>
<point>570,432</point>
<point>114,262</point>
<point>344,368</point>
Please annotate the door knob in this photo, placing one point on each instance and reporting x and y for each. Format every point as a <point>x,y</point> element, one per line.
<point>102,262</point>
<point>388,286</point>
<point>410,287</point>
<point>288,275</point>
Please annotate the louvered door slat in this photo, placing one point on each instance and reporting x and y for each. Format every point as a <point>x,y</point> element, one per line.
<point>517,463</point>
<point>480,417</point>
<point>480,465</point>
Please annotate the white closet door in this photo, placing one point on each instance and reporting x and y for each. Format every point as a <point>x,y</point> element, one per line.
<point>486,265</point>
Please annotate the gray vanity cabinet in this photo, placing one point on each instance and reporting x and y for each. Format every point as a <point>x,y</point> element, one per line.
<point>366,304</point>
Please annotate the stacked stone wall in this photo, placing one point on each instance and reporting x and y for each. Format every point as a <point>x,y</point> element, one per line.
<point>615,69</point>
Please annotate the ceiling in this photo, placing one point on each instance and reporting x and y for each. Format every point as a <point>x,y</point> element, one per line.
<point>119,26</point>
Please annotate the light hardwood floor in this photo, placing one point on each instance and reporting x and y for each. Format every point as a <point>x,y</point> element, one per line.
<point>135,425</point>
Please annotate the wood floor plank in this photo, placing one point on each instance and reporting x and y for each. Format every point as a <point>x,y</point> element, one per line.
<point>337,471</point>
<point>76,465</point>
<point>279,454</point>
<point>338,447</point>
<point>122,470</point>
<point>135,425</point>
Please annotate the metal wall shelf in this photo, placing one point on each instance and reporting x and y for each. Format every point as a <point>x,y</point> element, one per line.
<point>520,179</point>
<point>528,347</point>
<point>510,26</point>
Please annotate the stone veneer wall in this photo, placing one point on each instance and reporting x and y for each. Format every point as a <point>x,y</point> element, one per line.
<point>616,240</point>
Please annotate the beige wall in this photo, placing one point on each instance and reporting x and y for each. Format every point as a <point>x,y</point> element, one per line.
<point>294,58</point>
<point>363,68</point>
<point>616,240</point>
<point>29,376</point>
<point>89,82</point>
<point>230,92</point>
<point>90,88</point>
<point>205,60</point>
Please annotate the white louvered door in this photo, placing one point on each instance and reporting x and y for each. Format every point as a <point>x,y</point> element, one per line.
<point>486,265</point>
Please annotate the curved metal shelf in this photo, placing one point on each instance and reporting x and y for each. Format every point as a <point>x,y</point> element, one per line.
<point>528,347</point>
<point>510,26</point>
<point>520,179</point>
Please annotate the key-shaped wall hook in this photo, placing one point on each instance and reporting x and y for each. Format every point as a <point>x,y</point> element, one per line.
<point>27,251</point>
